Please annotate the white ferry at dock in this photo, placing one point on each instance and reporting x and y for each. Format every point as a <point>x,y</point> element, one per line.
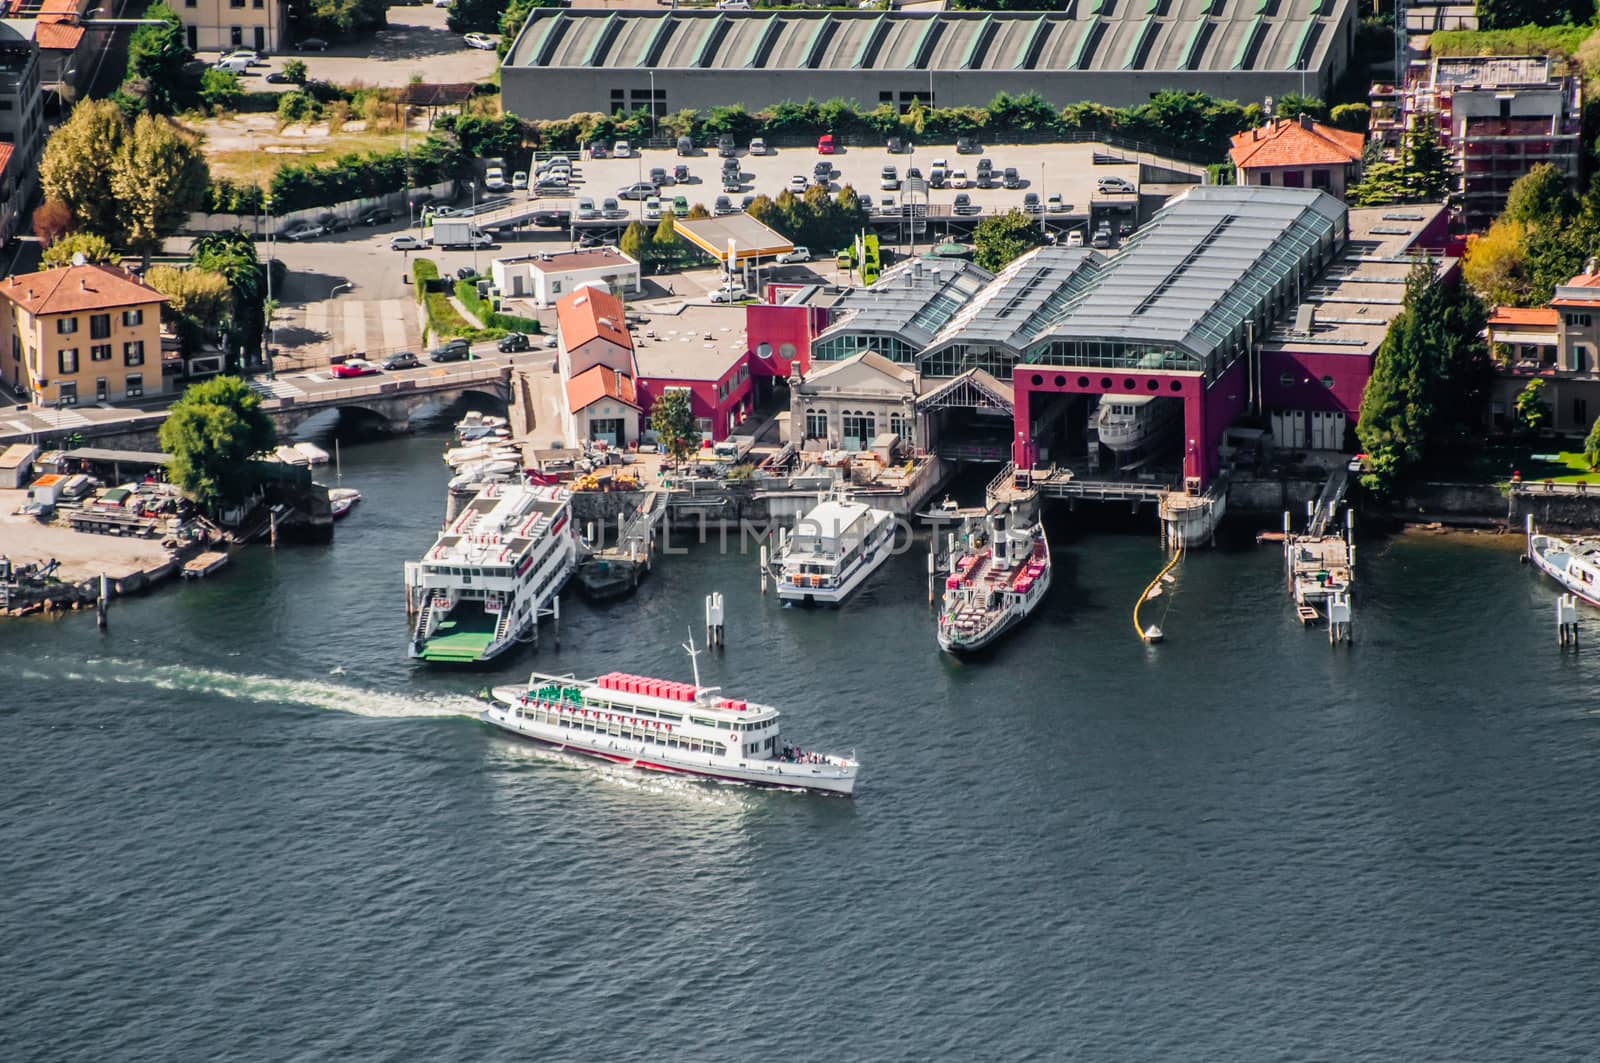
<point>1573,563</point>
<point>995,582</point>
<point>493,571</point>
<point>832,550</point>
<point>660,725</point>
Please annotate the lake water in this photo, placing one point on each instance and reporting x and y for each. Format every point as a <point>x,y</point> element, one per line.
<point>243,825</point>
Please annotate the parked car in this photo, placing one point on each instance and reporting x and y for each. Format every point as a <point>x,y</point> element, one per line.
<point>985,165</point>
<point>798,184</point>
<point>512,342</point>
<point>591,240</point>
<point>378,216</point>
<point>598,150</point>
<point>407,242</point>
<point>401,360</point>
<point>938,177</point>
<point>685,146</point>
<point>680,174</point>
<point>1102,236</point>
<point>304,230</point>
<point>914,174</point>
<point>823,170</point>
<point>622,150</point>
<point>465,273</point>
<point>798,254</point>
<point>551,182</point>
<point>958,179</point>
<point>1114,186</point>
<point>732,182</point>
<point>519,179</point>
<point>680,206</point>
<point>447,212</point>
<point>887,205</point>
<point>963,204</point>
<point>723,206</point>
<point>354,367</point>
<point>730,292</point>
<point>480,41</point>
<point>897,145</point>
<point>1124,230</point>
<point>252,58</point>
<point>733,5</point>
<point>727,147</point>
<point>454,351</point>
<point>730,165</point>
<point>277,77</point>
<point>610,208</point>
<point>1075,238</point>
<point>744,204</point>
<point>758,146</point>
<point>825,144</point>
<point>494,179</point>
<point>658,176</point>
<point>333,223</point>
<point>968,146</point>
<point>652,209</point>
<point>554,162</point>
<point>552,219</point>
<point>1030,202</point>
<point>232,65</point>
<point>889,179</point>
<point>586,209</point>
<point>637,190</point>
<point>311,44</point>
<point>1055,204</point>
<point>1011,178</point>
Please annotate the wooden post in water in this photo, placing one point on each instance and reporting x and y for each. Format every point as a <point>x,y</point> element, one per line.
<point>1567,621</point>
<point>103,603</point>
<point>272,515</point>
<point>714,626</point>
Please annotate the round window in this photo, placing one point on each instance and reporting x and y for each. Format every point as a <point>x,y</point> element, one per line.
<point>1327,382</point>
<point>763,350</point>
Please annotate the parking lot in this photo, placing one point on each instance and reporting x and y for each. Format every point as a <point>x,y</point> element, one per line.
<point>1067,170</point>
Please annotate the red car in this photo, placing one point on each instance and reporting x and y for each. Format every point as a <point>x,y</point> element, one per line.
<point>355,367</point>
<point>825,144</point>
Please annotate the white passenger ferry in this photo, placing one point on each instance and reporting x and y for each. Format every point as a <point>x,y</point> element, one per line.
<point>1128,423</point>
<point>995,582</point>
<point>493,571</point>
<point>660,725</point>
<point>832,549</point>
<point>1573,563</point>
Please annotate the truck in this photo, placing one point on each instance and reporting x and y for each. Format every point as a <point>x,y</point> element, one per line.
<point>459,232</point>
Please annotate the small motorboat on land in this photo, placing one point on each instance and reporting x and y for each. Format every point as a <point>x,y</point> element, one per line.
<point>313,453</point>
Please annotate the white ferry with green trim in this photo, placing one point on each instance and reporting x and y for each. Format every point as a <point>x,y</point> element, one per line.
<point>665,726</point>
<point>493,572</point>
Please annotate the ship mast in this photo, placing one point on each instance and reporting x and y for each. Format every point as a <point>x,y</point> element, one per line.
<point>694,659</point>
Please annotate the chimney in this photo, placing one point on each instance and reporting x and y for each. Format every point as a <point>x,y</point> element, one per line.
<point>83,283</point>
<point>1305,121</point>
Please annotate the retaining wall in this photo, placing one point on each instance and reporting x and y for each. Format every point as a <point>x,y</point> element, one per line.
<point>350,208</point>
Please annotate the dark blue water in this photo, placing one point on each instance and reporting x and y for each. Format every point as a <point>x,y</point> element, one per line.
<point>243,826</point>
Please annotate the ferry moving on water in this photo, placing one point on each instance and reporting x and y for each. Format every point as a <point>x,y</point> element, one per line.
<point>995,582</point>
<point>832,550</point>
<point>660,725</point>
<point>492,572</point>
<point>1573,563</point>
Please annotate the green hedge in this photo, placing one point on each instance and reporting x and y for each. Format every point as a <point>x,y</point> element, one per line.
<point>467,292</point>
<point>444,320</point>
<point>424,272</point>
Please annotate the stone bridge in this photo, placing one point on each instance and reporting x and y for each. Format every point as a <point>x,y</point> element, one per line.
<point>393,400</point>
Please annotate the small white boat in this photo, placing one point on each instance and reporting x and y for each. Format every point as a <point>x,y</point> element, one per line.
<point>477,425</point>
<point>1129,423</point>
<point>456,457</point>
<point>290,456</point>
<point>343,500</point>
<point>481,472</point>
<point>1573,563</point>
<point>313,453</point>
<point>660,725</point>
<point>832,550</point>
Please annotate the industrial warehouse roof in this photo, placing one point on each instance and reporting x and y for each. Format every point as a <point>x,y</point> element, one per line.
<point>1202,266</point>
<point>1027,296</point>
<point>1104,35</point>
<point>912,301</point>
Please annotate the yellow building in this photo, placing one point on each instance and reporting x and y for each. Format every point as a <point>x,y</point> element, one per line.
<point>223,25</point>
<point>81,334</point>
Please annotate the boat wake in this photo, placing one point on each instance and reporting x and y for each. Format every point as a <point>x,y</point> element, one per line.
<point>313,693</point>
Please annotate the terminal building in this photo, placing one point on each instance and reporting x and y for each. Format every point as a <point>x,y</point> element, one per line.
<point>1105,51</point>
<point>1232,299</point>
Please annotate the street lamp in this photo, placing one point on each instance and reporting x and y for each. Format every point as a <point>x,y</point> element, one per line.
<point>337,288</point>
<point>472,230</point>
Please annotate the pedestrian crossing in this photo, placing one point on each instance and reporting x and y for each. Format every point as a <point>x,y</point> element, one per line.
<point>275,389</point>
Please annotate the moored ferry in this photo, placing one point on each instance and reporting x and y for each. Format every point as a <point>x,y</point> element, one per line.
<point>494,570</point>
<point>1130,423</point>
<point>1573,563</point>
<point>660,725</point>
<point>832,550</point>
<point>1000,577</point>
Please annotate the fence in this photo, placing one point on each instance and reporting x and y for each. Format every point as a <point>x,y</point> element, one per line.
<point>396,201</point>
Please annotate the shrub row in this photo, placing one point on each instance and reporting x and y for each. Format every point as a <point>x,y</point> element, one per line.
<point>467,292</point>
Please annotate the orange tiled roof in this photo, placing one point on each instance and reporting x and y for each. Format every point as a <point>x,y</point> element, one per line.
<point>5,156</point>
<point>59,9</point>
<point>57,36</point>
<point>1524,315</point>
<point>1285,142</point>
<point>69,289</point>
<point>1585,280</point>
<point>600,382</point>
<point>592,313</point>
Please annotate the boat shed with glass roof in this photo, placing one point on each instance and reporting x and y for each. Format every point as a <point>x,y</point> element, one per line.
<point>568,60</point>
<point>899,315</point>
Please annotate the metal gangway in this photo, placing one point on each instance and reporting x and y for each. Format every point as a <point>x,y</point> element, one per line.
<point>1327,507</point>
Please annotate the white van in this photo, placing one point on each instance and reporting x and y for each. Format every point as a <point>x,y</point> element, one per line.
<point>237,64</point>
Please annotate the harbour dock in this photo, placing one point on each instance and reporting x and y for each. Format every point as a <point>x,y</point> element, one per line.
<point>202,565</point>
<point>614,571</point>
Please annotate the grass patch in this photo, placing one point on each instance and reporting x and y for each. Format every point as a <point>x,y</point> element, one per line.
<point>244,164</point>
<point>1560,41</point>
<point>467,292</point>
<point>1537,462</point>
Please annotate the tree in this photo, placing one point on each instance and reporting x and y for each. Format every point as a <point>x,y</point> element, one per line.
<point>233,254</point>
<point>77,165</point>
<point>344,16</point>
<point>1591,446</point>
<point>698,211</point>
<point>1532,412</point>
<point>159,178</point>
<point>201,297</point>
<point>92,246</point>
<point>220,89</point>
<point>672,420</point>
<point>157,55</point>
<point>1351,116</point>
<point>1495,264</point>
<point>1427,165</point>
<point>635,243</point>
<point>1539,197</point>
<point>1511,14</point>
<point>1003,237</point>
<point>51,219</point>
<point>294,71</point>
<point>1293,105</point>
<point>1430,380</point>
<point>211,432</point>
